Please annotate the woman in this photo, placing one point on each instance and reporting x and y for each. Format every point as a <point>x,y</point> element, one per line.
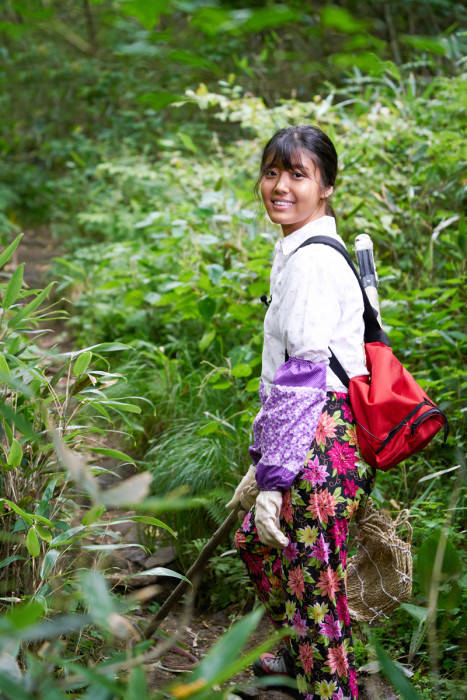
<point>307,478</point>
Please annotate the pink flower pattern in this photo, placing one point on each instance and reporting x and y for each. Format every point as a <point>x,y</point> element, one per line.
<point>337,660</point>
<point>343,457</point>
<point>326,429</point>
<point>303,579</point>
<point>320,550</point>
<point>330,627</point>
<point>322,505</point>
<point>350,488</point>
<point>306,656</point>
<point>315,472</point>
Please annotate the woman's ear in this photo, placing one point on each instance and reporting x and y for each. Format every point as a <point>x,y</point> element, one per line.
<point>327,192</point>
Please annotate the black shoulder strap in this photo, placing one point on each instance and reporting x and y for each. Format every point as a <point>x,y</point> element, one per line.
<point>373,331</point>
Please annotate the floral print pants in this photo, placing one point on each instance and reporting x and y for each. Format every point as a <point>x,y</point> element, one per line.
<point>303,585</point>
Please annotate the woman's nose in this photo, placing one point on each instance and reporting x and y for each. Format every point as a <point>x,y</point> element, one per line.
<point>282,182</point>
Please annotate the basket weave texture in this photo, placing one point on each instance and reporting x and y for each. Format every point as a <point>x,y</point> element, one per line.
<point>379,575</point>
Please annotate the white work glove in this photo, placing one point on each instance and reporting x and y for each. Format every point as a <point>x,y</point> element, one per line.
<point>246,492</point>
<point>268,509</point>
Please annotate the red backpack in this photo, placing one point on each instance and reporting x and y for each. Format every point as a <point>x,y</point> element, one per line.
<point>395,417</point>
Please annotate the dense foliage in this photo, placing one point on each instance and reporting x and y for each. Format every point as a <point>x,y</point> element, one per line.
<point>133,133</point>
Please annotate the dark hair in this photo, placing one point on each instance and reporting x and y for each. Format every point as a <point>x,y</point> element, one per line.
<point>285,147</point>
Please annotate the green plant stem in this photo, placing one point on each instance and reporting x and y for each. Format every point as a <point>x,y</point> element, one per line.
<point>435,581</point>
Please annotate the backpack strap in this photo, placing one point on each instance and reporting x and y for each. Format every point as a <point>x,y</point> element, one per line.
<point>373,331</point>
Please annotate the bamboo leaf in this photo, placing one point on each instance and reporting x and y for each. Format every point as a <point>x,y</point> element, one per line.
<point>49,562</point>
<point>15,455</point>
<point>160,571</point>
<point>82,363</point>
<point>27,517</point>
<point>4,368</point>
<point>394,674</point>
<point>13,287</point>
<point>43,533</point>
<point>31,307</point>
<point>116,454</point>
<point>9,250</point>
<point>32,542</point>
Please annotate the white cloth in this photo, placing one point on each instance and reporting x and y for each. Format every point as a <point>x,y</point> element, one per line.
<point>316,303</point>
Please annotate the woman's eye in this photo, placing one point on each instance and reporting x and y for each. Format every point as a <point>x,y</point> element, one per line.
<point>270,173</point>
<point>298,175</point>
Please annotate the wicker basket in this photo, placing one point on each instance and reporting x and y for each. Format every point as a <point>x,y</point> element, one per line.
<point>379,575</point>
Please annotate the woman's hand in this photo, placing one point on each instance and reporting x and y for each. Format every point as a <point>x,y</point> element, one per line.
<point>246,492</point>
<point>267,512</point>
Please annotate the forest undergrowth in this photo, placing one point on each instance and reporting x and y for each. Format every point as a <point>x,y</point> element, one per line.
<point>162,255</point>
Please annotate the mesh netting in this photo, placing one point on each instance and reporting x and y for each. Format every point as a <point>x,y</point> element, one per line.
<point>379,575</point>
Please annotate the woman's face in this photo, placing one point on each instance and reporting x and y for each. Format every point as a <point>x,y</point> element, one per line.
<point>294,198</point>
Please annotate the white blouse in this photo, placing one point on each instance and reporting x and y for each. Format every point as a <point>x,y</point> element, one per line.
<point>316,304</point>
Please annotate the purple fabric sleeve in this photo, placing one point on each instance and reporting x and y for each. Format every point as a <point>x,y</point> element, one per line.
<point>297,372</point>
<point>286,424</point>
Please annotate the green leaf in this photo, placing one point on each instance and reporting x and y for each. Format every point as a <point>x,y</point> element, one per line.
<point>15,455</point>
<point>159,100</point>
<point>32,542</point>
<point>137,688</point>
<point>268,18</point>
<point>215,273</point>
<point>211,427</point>
<point>253,384</point>
<point>207,308</point>
<point>338,18</point>
<point>241,370</point>
<point>13,689</point>
<point>4,368</point>
<point>187,142</point>
<point>227,648</point>
<point>424,44</point>
<point>49,562</point>
<point>101,604</point>
<point>13,287</point>
<point>93,515</point>
<point>206,340</point>
<point>18,419</point>
<point>451,567</point>
<point>101,347</point>
<point>160,571</point>
<point>10,560</point>
<point>25,614</point>
<point>149,520</point>
<point>82,363</point>
<point>27,517</point>
<point>43,533</point>
<point>116,454</point>
<point>417,611</point>
<point>29,308</point>
<point>125,407</point>
<point>393,673</point>
<point>9,250</point>
<point>146,11</point>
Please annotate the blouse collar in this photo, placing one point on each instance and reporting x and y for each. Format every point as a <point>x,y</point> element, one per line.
<point>324,226</point>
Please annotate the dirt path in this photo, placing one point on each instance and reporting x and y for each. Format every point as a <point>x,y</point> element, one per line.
<point>202,630</point>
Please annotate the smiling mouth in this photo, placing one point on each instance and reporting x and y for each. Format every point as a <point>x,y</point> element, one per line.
<point>282,204</point>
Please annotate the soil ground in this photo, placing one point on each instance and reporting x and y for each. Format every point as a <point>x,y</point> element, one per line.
<point>203,629</point>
